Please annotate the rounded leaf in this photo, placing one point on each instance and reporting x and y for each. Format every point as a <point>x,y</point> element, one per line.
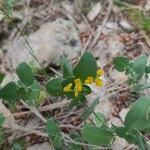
<point>121,63</point>
<point>9,91</point>
<point>138,116</point>
<point>25,74</point>
<point>96,135</point>
<point>86,67</point>
<point>139,65</point>
<point>54,87</point>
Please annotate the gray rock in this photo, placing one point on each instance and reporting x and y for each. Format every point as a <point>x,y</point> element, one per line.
<point>112,25</point>
<point>95,11</point>
<point>120,144</point>
<point>147,5</point>
<point>52,40</point>
<point>126,25</point>
<point>115,47</point>
<point>43,146</point>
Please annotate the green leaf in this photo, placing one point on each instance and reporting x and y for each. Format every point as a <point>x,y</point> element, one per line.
<point>86,67</point>
<point>52,128</point>
<point>58,141</point>
<point>138,116</point>
<point>9,91</point>
<point>54,133</point>
<point>121,63</point>
<point>54,87</point>
<point>99,117</point>
<point>96,136</point>
<point>23,93</point>
<point>34,93</point>
<point>120,131</point>
<point>147,69</point>
<point>67,69</point>
<point>140,140</point>
<point>17,146</point>
<point>89,110</point>
<point>124,133</point>
<point>25,74</point>
<point>1,77</point>
<point>78,101</point>
<point>146,25</point>
<point>86,90</point>
<point>2,119</point>
<point>76,137</point>
<point>139,65</point>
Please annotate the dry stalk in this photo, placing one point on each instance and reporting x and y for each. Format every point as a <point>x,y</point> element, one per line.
<point>44,108</point>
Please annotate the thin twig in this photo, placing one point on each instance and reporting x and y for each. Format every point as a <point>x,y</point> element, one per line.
<point>34,110</point>
<point>45,108</point>
<point>70,126</point>
<point>29,48</point>
<point>100,29</point>
<point>28,130</point>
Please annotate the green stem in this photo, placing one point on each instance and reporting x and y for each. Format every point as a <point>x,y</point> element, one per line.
<point>100,119</point>
<point>29,48</point>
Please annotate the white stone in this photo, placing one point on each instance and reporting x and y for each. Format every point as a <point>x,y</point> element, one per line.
<point>112,25</point>
<point>147,5</point>
<point>94,12</point>
<point>52,40</point>
<point>67,7</point>
<point>126,25</point>
<point>82,27</point>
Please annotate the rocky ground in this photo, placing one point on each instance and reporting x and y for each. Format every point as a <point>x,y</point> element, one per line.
<point>41,31</point>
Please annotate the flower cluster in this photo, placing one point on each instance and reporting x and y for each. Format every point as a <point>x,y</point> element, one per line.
<point>78,85</point>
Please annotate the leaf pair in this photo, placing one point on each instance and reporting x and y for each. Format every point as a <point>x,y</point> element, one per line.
<point>133,137</point>
<point>134,69</point>
<point>136,120</point>
<point>27,87</point>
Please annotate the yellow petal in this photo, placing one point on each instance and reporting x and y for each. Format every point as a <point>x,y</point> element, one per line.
<point>78,85</point>
<point>100,72</point>
<point>76,94</point>
<point>89,80</point>
<point>67,88</point>
<point>98,82</point>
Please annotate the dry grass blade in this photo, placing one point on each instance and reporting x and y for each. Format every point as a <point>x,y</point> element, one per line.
<point>44,108</point>
<point>103,24</point>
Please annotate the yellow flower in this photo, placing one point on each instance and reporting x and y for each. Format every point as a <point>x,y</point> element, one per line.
<point>78,87</point>
<point>76,94</point>
<point>67,88</point>
<point>98,82</point>
<point>89,80</point>
<point>100,72</point>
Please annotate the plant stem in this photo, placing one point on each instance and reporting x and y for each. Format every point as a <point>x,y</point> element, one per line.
<point>100,119</point>
<point>29,48</point>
